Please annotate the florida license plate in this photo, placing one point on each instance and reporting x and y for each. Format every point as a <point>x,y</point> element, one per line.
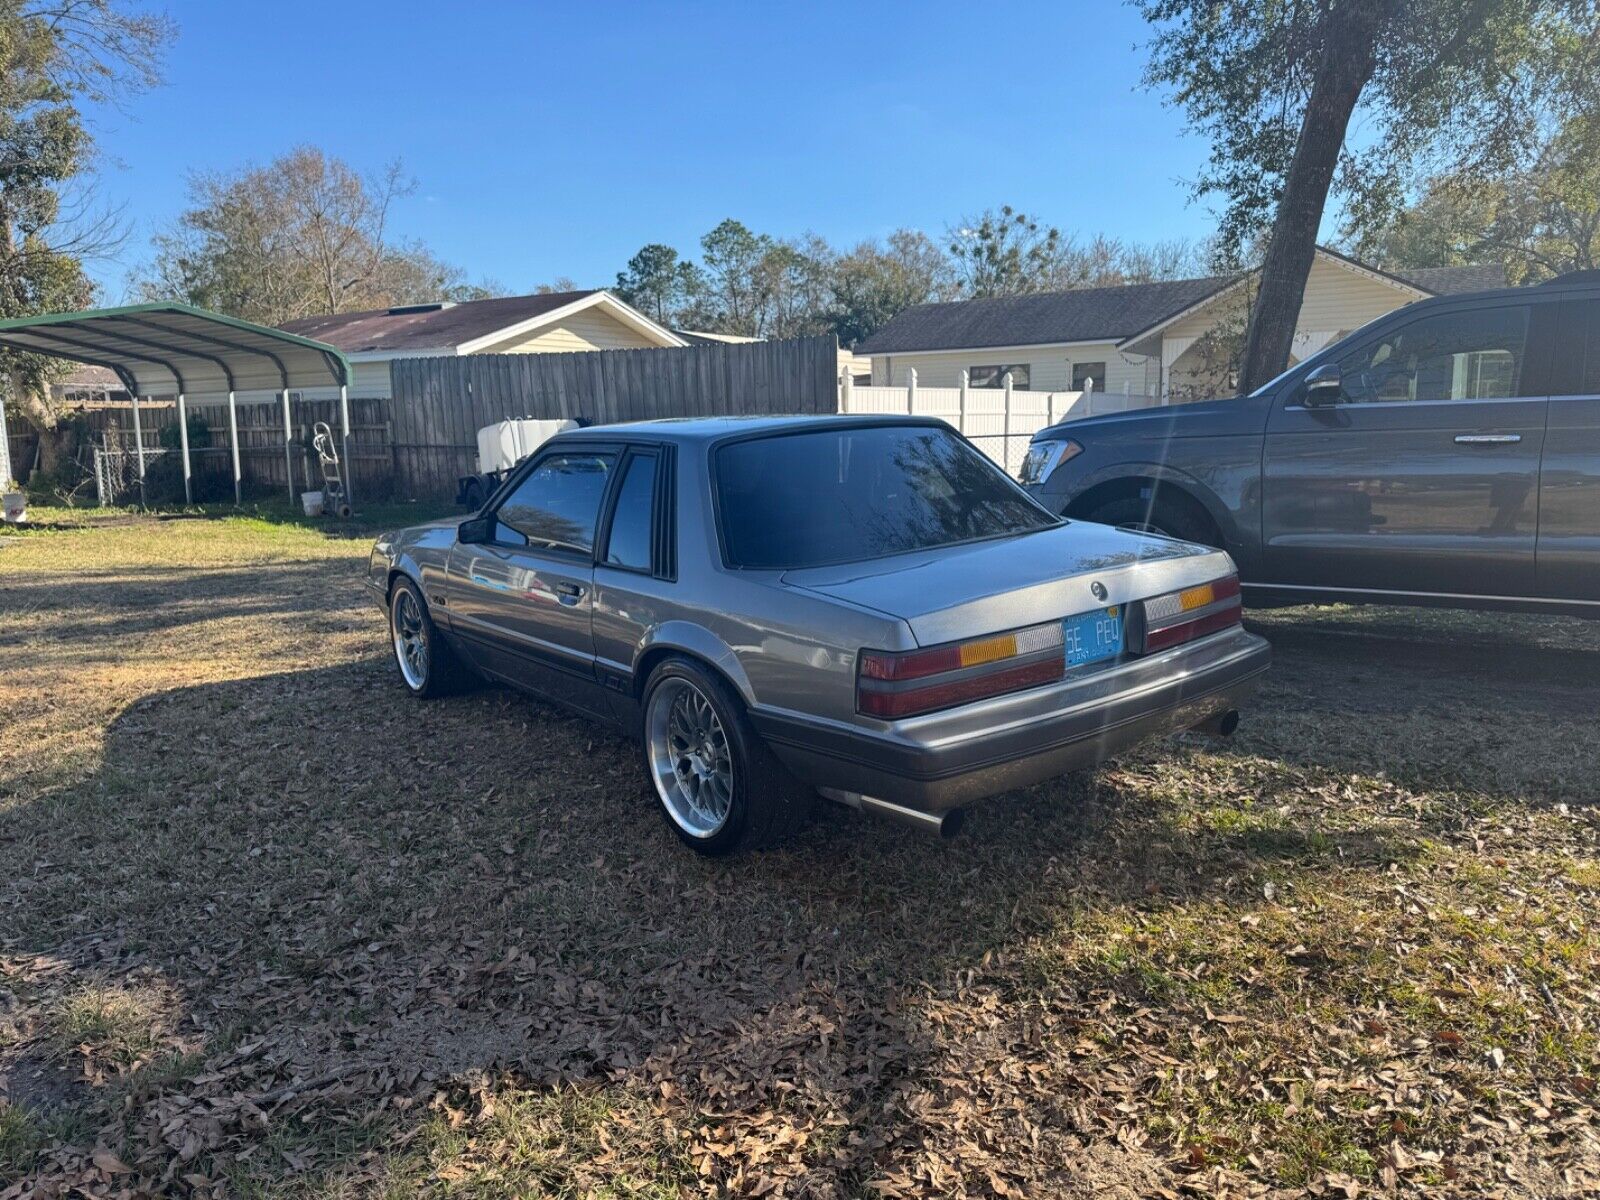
<point>1093,636</point>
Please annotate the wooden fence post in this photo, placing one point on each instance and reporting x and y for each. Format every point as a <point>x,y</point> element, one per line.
<point>846,391</point>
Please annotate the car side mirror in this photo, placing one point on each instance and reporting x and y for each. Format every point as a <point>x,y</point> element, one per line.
<point>1324,386</point>
<point>475,532</point>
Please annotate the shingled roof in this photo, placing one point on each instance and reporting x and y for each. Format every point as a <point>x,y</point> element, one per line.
<point>1102,314</point>
<point>428,326</point>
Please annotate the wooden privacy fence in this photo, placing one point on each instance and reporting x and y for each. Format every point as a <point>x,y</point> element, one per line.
<point>418,444</point>
<point>441,403</point>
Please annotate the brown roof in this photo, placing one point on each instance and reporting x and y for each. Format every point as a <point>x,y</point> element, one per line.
<point>84,378</point>
<point>428,327</point>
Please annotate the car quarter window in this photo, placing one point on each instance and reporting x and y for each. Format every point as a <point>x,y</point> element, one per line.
<point>1471,354</point>
<point>557,504</point>
<point>632,537</point>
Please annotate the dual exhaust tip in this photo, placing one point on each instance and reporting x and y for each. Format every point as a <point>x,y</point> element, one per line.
<point>946,825</point>
<point>943,826</point>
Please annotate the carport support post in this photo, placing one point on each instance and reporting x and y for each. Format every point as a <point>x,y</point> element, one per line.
<point>288,447</point>
<point>183,440</point>
<point>138,444</point>
<point>344,422</point>
<point>233,442</point>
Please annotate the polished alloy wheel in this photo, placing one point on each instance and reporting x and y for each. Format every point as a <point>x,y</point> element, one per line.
<point>410,639</point>
<point>690,760</point>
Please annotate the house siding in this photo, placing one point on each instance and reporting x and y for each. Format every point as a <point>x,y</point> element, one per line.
<point>1049,366</point>
<point>587,330</point>
<point>1337,300</point>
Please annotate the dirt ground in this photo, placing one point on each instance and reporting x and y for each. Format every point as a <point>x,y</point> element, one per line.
<point>268,927</point>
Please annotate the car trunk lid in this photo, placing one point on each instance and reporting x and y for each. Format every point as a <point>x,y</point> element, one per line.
<point>985,587</point>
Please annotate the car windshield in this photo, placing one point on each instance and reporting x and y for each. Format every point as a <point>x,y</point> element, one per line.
<point>843,495</point>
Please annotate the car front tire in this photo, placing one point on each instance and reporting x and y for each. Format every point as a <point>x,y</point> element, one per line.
<point>428,665</point>
<point>718,786</point>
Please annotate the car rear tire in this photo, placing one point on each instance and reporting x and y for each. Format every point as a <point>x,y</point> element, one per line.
<point>719,787</point>
<point>428,665</point>
<point>1169,516</point>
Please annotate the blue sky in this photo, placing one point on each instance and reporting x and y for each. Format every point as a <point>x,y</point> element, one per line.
<point>552,139</point>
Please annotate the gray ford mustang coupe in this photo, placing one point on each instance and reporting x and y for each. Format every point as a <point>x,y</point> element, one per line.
<point>861,606</point>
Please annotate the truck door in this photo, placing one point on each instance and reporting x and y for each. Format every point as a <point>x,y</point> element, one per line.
<point>1420,474</point>
<point>1569,479</point>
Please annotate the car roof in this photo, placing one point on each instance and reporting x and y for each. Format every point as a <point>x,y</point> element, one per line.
<point>705,429</point>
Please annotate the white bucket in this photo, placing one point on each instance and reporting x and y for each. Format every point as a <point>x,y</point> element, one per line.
<point>312,502</point>
<point>16,507</point>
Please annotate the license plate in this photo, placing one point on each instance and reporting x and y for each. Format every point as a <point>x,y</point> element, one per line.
<point>1093,636</point>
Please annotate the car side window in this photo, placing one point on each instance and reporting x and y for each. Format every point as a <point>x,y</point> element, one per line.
<point>629,544</point>
<point>557,505</point>
<point>1476,354</point>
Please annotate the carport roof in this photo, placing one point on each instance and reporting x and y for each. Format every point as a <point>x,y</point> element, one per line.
<point>159,349</point>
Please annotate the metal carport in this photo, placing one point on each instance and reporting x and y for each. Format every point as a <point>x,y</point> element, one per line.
<point>177,349</point>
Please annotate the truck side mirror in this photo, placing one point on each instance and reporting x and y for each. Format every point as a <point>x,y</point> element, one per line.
<point>1324,386</point>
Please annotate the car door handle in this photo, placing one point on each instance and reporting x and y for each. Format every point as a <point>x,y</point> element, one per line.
<point>1487,439</point>
<point>569,593</point>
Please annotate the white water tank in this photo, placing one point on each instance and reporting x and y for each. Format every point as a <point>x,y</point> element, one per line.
<point>504,444</point>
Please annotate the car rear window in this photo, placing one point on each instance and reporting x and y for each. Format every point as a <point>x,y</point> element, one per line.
<point>843,495</point>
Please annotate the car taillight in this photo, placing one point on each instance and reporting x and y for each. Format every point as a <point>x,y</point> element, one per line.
<point>1179,617</point>
<point>905,683</point>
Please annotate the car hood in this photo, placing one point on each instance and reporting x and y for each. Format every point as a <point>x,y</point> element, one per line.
<point>985,587</point>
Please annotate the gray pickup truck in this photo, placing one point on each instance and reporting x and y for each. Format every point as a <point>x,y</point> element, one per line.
<point>1448,453</point>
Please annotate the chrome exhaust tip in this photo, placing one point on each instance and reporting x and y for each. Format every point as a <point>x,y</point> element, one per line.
<point>1221,725</point>
<point>943,826</point>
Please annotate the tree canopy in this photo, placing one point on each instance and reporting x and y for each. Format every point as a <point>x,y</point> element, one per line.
<point>306,234</point>
<point>1537,222</point>
<point>55,56</point>
<point>1277,87</point>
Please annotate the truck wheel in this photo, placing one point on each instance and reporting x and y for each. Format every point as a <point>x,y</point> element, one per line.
<point>472,495</point>
<point>1170,516</point>
<point>428,665</point>
<point>719,786</point>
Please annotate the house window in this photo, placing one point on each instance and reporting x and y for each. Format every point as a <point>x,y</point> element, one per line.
<point>995,377</point>
<point>1085,373</point>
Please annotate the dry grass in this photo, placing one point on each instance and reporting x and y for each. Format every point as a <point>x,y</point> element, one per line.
<point>318,940</point>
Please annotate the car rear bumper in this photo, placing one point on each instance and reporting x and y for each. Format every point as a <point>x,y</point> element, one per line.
<point>938,763</point>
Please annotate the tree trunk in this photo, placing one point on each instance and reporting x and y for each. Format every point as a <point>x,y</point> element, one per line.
<point>1349,55</point>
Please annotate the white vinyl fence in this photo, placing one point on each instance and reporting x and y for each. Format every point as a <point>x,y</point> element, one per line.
<point>999,421</point>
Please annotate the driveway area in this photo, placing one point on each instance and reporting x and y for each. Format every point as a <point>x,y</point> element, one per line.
<point>270,927</point>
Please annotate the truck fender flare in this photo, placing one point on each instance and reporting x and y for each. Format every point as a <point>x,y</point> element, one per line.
<point>1162,473</point>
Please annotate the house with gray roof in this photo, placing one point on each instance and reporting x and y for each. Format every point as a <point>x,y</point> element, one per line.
<point>1143,339</point>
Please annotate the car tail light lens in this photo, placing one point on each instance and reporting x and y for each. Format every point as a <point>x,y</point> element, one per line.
<point>1179,617</point>
<point>909,682</point>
